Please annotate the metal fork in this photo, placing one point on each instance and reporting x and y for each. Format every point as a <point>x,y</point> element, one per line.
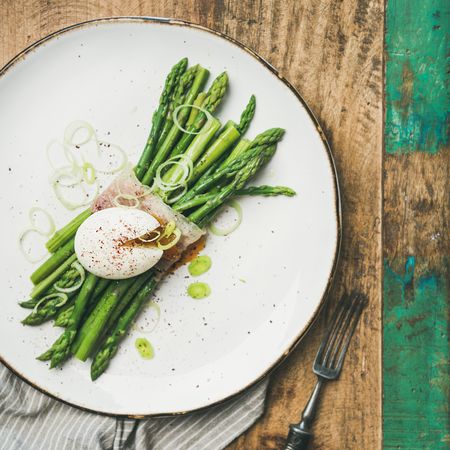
<point>328,363</point>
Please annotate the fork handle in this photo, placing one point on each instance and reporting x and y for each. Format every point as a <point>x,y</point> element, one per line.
<point>300,433</point>
<point>297,439</point>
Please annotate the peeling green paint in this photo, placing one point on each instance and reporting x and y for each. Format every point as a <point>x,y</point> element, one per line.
<point>416,74</point>
<point>416,384</point>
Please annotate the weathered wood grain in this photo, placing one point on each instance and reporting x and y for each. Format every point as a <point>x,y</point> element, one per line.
<point>332,52</point>
<point>416,350</point>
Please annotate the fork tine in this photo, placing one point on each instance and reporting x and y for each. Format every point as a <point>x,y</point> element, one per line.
<point>353,301</point>
<point>331,336</point>
<point>359,308</point>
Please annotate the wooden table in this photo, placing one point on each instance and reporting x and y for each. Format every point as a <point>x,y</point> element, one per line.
<point>332,52</point>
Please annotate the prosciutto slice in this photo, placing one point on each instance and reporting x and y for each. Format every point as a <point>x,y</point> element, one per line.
<point>127,184</point>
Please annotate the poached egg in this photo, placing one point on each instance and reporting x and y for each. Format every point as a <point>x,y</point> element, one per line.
<point>99,243</point>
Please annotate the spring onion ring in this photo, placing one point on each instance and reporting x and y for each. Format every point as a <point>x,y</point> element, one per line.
<point>21,245</point>
<point>80,269</point>
<point>200,109</point>
<point>62,296</point>
<point>74,205</point>
<point>82,168</point>
<point>172,199</point>
<point>73,129</point>
<point>153,305</point>
<point>48,150</point>
<point>184,163</point>
<point>74,175</point>
<point>177,235</point>
<point>169,228</point>
<point>46,232</point>
<point>51,224</point>
<point>153,239</point>
<point>88,173</point>
<point>226,231</point>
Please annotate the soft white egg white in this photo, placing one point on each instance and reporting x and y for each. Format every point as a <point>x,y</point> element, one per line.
<point>99,243</point>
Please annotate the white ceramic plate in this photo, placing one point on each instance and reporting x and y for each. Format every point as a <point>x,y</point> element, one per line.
<point>268,278</point>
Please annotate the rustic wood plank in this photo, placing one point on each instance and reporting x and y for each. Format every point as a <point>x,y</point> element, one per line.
<point>332,52</point>
<point>416,362</point>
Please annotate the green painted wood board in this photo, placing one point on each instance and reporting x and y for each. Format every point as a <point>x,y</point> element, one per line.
<point>415,360</point>
<point>416,46</point>
<point>416,311</point>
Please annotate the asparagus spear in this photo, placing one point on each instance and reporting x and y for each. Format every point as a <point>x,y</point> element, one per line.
<point>240,148</point>
<point>267,191</point>
<point>91,330</point>
<point>67,232</point>
<point>247,115</point>
<point>53,262</point>
<point>63,317</point>
<point>60,350</point>
<point>228,137</point>
<point>111,344</point>
<point>138,283</point>
<point>194,111</point>
<point>264,190</point>
<point>159,116</point>
<point>178,98</point>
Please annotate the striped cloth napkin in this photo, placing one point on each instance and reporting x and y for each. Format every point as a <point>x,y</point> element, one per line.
<point>30,420</point>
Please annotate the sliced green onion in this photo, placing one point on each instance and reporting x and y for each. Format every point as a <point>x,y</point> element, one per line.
<point>169,228</point>
<point>62,296</point>
<point>73,129</point>
<point>80,269</point>
<point>72,172</point>
<point>48,151</point>
<point>46,232</point>
<point>76,135</point>
<point>27,256</point>
<point>51,224</point>
<point>200,265</point>
<point>153,239</point>
<point>144,348</point>
<point>73,205</point>
<point>200,109</point>
<point>153,305</point>
<point>186,166</point>
<point>172,243</point>
<point>226,231</point>
<point>172,199</point>
<point>88,173</point>
<point>199,290</point>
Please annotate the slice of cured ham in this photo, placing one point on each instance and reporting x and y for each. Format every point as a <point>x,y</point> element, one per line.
<point>127,184</point>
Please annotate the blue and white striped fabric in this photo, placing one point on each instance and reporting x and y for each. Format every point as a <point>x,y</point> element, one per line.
<point>30,420</point>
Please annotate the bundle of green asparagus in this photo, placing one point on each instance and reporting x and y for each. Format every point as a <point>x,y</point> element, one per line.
<point>99,312</point>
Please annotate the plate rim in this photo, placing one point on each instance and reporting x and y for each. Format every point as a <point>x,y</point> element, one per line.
<point>338,202</point>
